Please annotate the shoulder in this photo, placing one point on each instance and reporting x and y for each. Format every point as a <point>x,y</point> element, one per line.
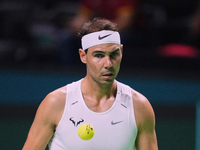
<point>144,112</point>
<point>56,97</point>
<point>53,104</point>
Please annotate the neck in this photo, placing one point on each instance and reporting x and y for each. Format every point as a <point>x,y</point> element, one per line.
<point>98,91</point>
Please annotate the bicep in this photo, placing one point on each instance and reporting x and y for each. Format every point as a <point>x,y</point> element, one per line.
<point>41,130</point>
<point>146,141</point>
<point>146,138</point>
<point>38,137</point>
<point>145,118</point>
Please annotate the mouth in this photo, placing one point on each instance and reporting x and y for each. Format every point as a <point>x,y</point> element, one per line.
<point>107,75</point>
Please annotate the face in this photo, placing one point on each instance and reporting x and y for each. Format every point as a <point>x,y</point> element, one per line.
<point>103,62</point>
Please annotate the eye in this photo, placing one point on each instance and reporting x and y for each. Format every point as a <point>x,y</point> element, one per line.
<point>99,55</point>
<point>114,54</point>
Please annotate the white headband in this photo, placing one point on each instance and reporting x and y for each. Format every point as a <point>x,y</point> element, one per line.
<point>100,37</point>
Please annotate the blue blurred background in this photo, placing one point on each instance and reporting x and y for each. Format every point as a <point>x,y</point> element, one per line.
<point>161,59</point>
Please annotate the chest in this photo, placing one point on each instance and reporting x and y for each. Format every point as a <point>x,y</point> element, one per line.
<point>114,129</point>
<point>99,106</point>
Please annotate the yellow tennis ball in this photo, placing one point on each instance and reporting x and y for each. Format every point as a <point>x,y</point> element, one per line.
<point>86,131</point>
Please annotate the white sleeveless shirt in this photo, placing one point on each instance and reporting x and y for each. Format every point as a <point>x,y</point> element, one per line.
<point>115,129</point>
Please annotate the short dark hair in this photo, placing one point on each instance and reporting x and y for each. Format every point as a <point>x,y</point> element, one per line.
<point>97,24</point>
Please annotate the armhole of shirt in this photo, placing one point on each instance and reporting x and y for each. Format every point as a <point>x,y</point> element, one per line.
<point>128,91</point>
<point>133,110</point>
<point>64,111</point>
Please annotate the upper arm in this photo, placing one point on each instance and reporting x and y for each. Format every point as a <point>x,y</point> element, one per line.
<point>145,119</point>
<point>46,119</point>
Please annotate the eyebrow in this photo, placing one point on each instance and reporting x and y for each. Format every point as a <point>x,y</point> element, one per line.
<point>97,52</point>
<point>117,49</point>
<point>104,52</point>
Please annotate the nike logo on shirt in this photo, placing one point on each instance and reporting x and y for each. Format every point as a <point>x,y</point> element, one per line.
<point>114,123</point>
<point>102,37</point>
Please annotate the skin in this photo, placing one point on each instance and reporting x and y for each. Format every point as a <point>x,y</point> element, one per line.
<point>99,91</point>
<point>102,68</point>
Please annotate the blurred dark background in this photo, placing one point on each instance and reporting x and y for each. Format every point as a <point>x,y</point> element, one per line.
<point>161,60</point>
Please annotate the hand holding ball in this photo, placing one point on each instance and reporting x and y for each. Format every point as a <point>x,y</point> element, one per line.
<point>86,131</point>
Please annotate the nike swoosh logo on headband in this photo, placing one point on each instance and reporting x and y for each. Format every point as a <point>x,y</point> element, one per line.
<point>102,37</point>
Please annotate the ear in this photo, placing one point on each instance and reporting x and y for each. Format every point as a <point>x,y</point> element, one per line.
<point>82,56</point>
<point>121,48</point>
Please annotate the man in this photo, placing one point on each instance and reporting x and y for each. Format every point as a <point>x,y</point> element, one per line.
<point>122,118</point>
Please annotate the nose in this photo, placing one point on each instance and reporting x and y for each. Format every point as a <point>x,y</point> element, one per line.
<point>108,62</point>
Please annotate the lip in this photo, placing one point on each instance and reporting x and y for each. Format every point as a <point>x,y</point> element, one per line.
<point>107,75</point>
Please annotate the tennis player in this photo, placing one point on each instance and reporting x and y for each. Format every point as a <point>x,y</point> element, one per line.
<point>122,118</point>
